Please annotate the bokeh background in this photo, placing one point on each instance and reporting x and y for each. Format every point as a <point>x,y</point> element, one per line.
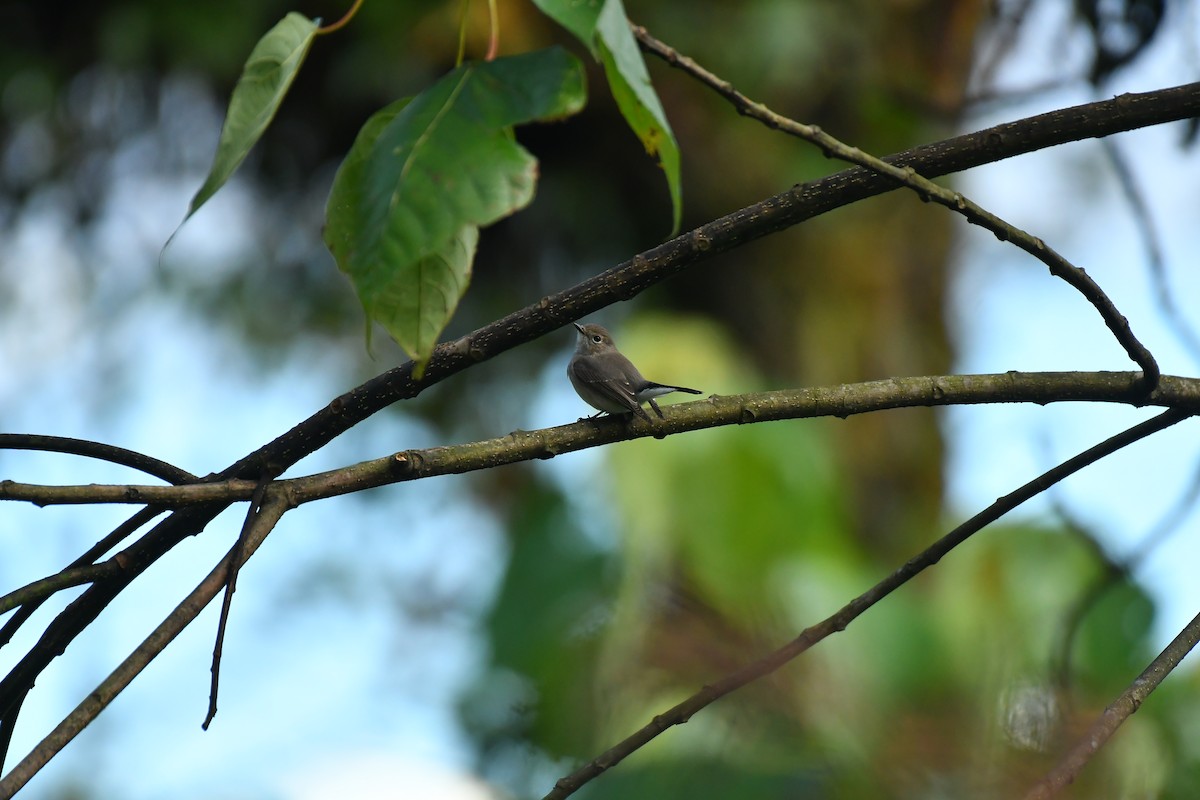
<point>478,636</point>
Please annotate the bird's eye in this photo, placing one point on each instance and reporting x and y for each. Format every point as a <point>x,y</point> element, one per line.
<point>596,338</point>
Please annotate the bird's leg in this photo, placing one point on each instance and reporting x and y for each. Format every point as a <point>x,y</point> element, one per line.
<point>657,410</point>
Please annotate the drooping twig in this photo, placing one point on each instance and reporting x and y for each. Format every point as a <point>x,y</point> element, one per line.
<point>927,190</point>
<point>1102,729</point>
<point>235,562</point>
<point>684,711</point>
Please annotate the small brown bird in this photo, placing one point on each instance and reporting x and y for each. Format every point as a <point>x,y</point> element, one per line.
<point>608,381</point>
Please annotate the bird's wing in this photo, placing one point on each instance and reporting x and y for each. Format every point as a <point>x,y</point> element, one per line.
<point>619,391</point>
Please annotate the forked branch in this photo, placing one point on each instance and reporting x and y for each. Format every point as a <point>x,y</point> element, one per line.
<point>927,190</point>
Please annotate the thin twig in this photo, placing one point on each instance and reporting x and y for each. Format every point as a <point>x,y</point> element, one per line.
<point>684,711</point>
<point>1100,731</point>
<point>926,190</point>
<point>235,563</point>
<point>128,493</point>
<point>7,724</point>
<point>493,31</point>
<point>273,509</point>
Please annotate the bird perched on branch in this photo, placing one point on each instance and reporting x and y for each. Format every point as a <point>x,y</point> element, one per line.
<point>608,381</point>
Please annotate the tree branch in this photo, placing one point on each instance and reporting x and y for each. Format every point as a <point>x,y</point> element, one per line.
<point>926,190</point>
<point>716,411</point>
<point>684,711</point>
<point>236,558</point>
<point>1100,731</point>
<point>274,507</point>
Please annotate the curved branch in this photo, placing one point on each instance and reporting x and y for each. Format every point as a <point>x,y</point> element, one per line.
<point>684,711</point>
<point>926,190</point>
<point>104,452</point>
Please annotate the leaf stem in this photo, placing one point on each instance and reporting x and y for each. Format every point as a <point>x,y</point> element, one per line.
<point>341,23</point>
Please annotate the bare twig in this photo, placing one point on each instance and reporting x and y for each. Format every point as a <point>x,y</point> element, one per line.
<point>1003,40</point>
<point>684,711</point>
<point>926,190</point>
<point>1100,731</point>
<point>274,507</point>
<point>235,563</point>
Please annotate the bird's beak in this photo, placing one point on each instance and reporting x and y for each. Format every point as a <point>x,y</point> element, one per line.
<point>578,327</point>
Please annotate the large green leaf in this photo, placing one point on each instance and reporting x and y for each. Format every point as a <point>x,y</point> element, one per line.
<point>269,71</point>
<point>415,304</point>
<point>603,27</point>
<point>424,171</point>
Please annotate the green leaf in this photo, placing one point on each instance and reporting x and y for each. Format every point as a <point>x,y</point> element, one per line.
<point>603,27</point>
<point>424,171</point>
<point>577,16</point>
<point>415,304</point>
<point>269,71</point>
<point>635,96</point>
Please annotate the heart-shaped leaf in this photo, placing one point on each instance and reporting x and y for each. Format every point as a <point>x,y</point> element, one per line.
<point>426,173</point>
